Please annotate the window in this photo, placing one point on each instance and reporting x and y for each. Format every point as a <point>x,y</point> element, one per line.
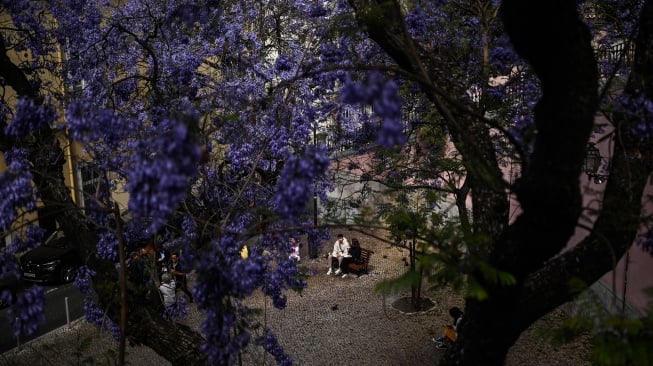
<point>94,184</point>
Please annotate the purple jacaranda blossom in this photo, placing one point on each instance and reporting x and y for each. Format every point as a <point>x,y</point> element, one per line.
<point>297,181</point>
<point>28,313</point>
<point>16,188</point>
<point>98,317</point>
<point>384,98</point>
<point>30,117</point>
<point>160,173</point>
<point>84,278</point>
<point>270,342</point>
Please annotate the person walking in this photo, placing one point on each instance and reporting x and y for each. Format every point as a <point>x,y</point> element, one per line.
<point>340,251</point>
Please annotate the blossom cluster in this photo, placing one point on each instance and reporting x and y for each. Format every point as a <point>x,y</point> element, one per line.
<point>297,181</point>
<point>10,267</point>
<point>30,117</point>
<point>270,342</point>
<point>159,172</point>
<point>225,277</point>
<point>83,279</point>
<point>97,317</point>
<point>383,96</point>
<point>16,188</point>
<point>107,246</point>
<point>32,236</point>
<point>25,317</point>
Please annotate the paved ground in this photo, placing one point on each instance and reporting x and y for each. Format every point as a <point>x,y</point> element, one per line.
<point>340,321</point>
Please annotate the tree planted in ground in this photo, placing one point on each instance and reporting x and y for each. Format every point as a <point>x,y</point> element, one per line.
<point>207,112</point>
<point>198,112</point>
<point>517,270</point>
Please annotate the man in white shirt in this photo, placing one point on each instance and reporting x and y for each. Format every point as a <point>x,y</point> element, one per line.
<point>340,251</point>
<point>168,290</point>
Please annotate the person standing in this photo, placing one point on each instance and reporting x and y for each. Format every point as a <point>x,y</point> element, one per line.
<point>180,275</point>
<point>136,269</point>
<point>340,251</point>
<point>162,259</point>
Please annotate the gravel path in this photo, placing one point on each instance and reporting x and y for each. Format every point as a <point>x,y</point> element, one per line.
<point>333,318</point>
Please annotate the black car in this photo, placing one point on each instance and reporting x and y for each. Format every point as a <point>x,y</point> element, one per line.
<point>56,260</point>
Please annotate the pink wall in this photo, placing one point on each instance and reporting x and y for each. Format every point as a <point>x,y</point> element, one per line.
<point>639,274</point>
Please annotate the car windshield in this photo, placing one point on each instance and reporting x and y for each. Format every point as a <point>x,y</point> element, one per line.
<point>56,240</point>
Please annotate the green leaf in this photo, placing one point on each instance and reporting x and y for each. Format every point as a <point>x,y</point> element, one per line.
<point>496,276</point>
<point>474,290</point>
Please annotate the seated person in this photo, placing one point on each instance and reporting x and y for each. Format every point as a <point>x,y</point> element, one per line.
<point>294,249</point>
<point>355,257</point>
<point>168,290</point>
<point>450,330</point>
<point>179,274</point>
<point>340,251</point>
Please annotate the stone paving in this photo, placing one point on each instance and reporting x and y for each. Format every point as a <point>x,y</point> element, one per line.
<point>344,321</point>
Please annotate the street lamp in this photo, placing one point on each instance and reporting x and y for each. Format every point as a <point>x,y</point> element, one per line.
<point>312,245</point>
<point>592,164</point>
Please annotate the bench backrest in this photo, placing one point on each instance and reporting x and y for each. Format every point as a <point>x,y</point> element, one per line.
<point>366,254</point>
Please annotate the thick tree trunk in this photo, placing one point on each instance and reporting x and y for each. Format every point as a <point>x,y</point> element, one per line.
<point>384,22</point>
<point>551,37</point>
<point>175,342</point>
<point>548,191</point>
<point>615,228</point>
<point>491,327</point>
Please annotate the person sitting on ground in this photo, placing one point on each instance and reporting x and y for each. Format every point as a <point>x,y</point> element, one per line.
<point>354,257</point>
<point>168,290</point>
<point>450,330</point>
<point>340,251</point>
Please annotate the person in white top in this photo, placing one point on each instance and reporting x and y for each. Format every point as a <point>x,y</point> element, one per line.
<point>294,249</point>
<point>340,251</point>
<point>168,290</point>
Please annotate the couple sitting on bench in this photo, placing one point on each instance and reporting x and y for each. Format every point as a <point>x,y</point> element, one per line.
<point>344,254</point>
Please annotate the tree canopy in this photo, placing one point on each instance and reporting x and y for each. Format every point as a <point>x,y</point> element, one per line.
<point>208,115</point>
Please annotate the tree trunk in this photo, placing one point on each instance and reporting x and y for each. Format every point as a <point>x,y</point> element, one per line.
<point>177,343</point>
<point>491,327</point>
<point>550,36</point>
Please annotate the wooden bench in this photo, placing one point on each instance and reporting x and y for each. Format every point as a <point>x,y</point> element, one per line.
<point>357,268</point>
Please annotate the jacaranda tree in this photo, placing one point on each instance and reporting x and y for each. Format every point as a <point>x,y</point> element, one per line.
<point>206,112</point>
<point>516,271</point>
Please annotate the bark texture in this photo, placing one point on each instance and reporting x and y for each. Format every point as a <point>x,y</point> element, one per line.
<point>145,325</point>
<point>551,37</point>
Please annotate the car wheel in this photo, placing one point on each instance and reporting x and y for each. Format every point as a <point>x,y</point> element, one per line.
<point>67,273</point>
